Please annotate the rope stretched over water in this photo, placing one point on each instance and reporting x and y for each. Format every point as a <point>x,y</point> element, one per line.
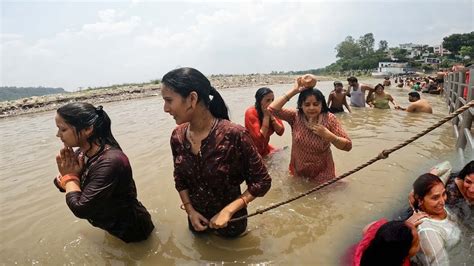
<point>383,155</point>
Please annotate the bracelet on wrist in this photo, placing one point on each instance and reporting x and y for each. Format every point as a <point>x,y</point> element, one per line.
<point>66,178</point>
<point>183,206</point>
<point>243,200</point>
<point>286,97</point>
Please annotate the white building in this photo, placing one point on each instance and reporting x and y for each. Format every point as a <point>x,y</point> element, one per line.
<point>390,68</point>
<point>438,49</point>
<point>412,49</point>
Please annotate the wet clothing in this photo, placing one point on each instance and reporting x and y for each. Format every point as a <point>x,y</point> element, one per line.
<point>108,197</point>
<point>381,103</point>
<point>436,237</point>
<point>358,97</point>
<point>416,87</point>
<point>227,158</point>
<point>358,250</point>
<point>253,125</point>
<point>231,230</point>
<point>458,205</point>
<point>311,155</point>
<point>336,109</point>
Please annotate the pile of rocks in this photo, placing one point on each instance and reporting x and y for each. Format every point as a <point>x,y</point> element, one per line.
<point>127,92</point>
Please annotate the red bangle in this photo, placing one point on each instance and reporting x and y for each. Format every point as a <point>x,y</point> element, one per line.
<point>245,202</point>
<point>67,178</point>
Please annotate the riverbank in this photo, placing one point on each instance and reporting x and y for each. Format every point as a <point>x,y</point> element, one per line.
<point>127,92</point>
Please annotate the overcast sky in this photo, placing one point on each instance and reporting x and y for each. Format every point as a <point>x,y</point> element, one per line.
<point>73,44</point>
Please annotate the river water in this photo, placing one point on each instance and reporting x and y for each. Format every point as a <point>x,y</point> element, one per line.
<point>38,228</point>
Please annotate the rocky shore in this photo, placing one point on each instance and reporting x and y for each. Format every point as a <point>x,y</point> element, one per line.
<point>126,92</point>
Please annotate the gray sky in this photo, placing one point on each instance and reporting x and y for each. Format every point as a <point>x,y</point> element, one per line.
<point>73,44</point>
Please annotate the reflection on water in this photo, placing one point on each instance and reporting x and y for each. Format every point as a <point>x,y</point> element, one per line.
<point>37,227</point>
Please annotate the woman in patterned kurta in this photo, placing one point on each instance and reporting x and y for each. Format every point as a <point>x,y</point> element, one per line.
<point>314,129</point>
<point>212,156</point>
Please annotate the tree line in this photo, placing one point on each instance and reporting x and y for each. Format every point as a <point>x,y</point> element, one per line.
<point>13,93</point>
<point>361,55</point>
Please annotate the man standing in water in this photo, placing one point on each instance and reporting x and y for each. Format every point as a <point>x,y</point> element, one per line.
<point>358,92</point>
<point>417,105</point>
<point>337,99</point>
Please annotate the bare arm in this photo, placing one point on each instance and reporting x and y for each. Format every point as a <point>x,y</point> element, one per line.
<point>222,218</point>
<point>277,126</point>
<point>282,100</point>
<point>344,101</point>
<point>265,125</point>
<point>392,100</point>
<point>330,99</point>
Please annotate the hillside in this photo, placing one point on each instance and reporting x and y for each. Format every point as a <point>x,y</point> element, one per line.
<point>13,93</point>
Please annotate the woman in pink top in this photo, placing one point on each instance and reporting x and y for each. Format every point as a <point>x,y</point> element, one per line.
<point>313,129</point>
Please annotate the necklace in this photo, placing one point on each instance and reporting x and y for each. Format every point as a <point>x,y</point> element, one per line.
<point>190,137</point>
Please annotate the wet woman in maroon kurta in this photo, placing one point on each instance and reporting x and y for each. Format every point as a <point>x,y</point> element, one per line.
<point>98,178</point>
<point>212,156</point>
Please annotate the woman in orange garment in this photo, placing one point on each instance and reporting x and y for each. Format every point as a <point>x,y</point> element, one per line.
<point>260,123</point>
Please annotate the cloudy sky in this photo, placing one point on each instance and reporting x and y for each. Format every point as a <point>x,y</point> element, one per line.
<point>73,44</point>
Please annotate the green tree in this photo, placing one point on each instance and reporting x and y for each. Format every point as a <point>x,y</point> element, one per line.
<point>467,51</point>
<point>454,42</point>
<point>348,49</point>
<point>383,45</point>
<point>400,54</point>
<point>366,44</point>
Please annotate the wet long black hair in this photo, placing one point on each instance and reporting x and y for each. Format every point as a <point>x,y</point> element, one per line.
<point>258,101</point>
<point>319,97</point>
<point>390,246</point>
<point>466,170</point>
<point>81,115</point>
<point>186,80</point>
<point>423,185</point>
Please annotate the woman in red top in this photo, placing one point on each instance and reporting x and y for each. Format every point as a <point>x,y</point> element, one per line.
<point>260,123</point>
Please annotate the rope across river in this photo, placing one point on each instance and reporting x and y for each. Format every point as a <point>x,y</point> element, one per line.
<point>383,155</point>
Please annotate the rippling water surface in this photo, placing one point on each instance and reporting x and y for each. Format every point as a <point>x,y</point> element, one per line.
<point>37,227</point>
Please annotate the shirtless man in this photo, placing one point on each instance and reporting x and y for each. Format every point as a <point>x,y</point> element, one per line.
<point>358,92</point>
<point>337,99</point>
<point>417,105</point>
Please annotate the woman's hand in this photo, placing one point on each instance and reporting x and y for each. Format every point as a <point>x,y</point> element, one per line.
<point>221,219</point>
<point>69,163</point>
<point>415,219</point>
<point>199,222</point>
<point>322,131</point>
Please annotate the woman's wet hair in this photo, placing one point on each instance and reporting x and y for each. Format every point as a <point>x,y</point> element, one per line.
<point>466,170</point>
<point>422,186</point>
<point>186,80</point>
<point>390,246</point>
<point>319,97</point>
<point>379,85</point>
<point>262,92</point>
<point>81,115</point>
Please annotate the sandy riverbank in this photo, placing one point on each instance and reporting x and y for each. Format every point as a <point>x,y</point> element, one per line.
<point>127,92</point>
